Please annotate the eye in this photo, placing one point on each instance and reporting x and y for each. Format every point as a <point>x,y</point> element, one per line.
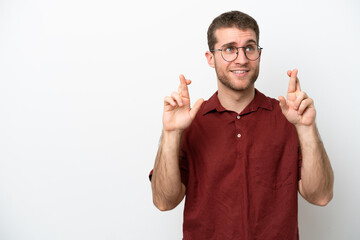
<point>229,49</point>
<point>250,48</point>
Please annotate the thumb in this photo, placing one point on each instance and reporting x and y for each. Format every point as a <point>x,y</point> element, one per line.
<point>284,107</point>
<point>196,108</point>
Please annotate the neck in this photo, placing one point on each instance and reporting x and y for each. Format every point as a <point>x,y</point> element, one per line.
<point>236,101</point>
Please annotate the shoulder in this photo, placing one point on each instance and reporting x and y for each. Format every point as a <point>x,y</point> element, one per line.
<point>273,106</point>
<point>263,101</point>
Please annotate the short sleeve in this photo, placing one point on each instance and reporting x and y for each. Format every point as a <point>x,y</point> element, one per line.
<point>299,164</point>
<point>184,167</point>
<point>150,175</point>
<point>183,164</point>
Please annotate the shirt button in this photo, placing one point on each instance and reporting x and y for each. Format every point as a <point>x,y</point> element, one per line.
<point>238,117</point>
<point>239,135</point>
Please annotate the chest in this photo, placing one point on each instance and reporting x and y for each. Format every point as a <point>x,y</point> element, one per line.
<point>255,148</point>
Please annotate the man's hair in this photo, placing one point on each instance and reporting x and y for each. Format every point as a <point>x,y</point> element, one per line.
<point>230,19</point>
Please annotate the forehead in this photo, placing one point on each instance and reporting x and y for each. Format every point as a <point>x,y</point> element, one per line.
<point>235,35</point>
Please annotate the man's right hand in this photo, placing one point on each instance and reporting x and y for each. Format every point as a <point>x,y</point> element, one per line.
<point>177,112</point>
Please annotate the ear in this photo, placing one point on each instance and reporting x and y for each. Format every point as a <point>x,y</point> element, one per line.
<point>260,55</point>
<point>210,59</point>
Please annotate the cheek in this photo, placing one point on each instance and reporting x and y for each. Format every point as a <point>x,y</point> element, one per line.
<point>220,64</point>
<point>255,64</point>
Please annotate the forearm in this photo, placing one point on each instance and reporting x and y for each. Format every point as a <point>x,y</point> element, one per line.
<point>317,179</point>
<point>167,188</point>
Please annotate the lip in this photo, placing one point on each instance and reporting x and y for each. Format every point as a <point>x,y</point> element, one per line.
<point>239,72</point>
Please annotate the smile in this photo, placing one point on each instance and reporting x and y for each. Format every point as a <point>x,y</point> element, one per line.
<point>239,72</point>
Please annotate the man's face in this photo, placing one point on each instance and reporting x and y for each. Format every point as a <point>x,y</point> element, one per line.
<point>240,74</point>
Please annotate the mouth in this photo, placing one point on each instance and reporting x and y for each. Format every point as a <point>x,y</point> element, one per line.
<point>239,73</point>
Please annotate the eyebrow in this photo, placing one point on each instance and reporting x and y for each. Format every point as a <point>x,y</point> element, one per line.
<point>234,43</point>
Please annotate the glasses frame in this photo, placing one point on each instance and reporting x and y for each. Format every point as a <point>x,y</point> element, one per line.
<point>237,52</point>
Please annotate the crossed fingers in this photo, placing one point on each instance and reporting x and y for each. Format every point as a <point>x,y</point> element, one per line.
<point>176,98</point>
<point>300,99</point>
<point>302,102</point>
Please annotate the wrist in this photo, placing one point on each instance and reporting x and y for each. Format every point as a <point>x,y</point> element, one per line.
<point>307,132</point>
<point>307,128</point>
<point>172,134</point>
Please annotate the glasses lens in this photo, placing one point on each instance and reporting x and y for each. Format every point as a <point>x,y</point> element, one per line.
<point>251,52</point>
<point>229,53</point>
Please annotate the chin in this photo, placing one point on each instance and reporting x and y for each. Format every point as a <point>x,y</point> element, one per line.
<point>243,86</point>
<point>237,84</point>
<point>243,89</point>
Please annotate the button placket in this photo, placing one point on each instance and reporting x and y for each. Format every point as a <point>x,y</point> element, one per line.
<point>237,127</point>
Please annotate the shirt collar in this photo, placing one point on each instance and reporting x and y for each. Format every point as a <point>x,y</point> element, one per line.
<point>259,101</point>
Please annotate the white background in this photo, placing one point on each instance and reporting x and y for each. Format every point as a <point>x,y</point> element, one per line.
<point>81,91</point>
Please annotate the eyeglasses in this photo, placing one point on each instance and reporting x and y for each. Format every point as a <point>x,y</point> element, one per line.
<point>252,52</point>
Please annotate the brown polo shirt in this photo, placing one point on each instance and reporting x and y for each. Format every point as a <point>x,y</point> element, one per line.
<point>241,173</point>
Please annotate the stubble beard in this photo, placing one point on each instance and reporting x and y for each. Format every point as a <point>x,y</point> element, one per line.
<point>227,83</point>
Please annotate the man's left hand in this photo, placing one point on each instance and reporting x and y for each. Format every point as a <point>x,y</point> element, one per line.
<point>298,108</point>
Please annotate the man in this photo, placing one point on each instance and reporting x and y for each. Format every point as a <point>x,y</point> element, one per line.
<point>240,157</point>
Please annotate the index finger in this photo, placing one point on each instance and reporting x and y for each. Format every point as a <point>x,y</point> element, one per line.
<point>294,84</point>
<point>183,89</point>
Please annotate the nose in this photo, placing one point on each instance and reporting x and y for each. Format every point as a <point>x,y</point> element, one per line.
<point>241,58</point>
